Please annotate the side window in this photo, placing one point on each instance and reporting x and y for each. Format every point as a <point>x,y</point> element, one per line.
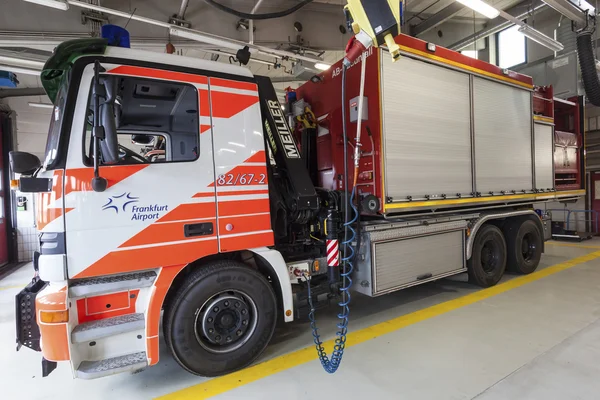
<point>157,122</point>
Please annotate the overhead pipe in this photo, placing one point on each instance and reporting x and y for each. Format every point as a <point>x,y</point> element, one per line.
<point>182,9</point>
<point>219,41</point>
<point>251,22</point>
<point>491,30</point>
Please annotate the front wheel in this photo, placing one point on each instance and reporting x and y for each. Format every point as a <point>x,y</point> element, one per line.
<point>488,258</point>
<point>221,319</point>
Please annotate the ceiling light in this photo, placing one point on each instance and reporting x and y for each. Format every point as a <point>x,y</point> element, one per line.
<point>322,66</point>
<point>40,105</point>
<point>540,38</point>
<point>204,38</point>
<point>585,6</point>
<point>568,9</point>
<point>481,7</point>
<point>58,4</point>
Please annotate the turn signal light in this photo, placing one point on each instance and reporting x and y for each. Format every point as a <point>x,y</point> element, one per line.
<point>14,184</point>
<point>54,317</point>
<point>316,266</point>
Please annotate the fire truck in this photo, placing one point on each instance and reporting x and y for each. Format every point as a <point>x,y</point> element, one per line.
<point>180,192</point>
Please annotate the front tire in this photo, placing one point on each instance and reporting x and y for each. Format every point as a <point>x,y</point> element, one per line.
<point>221,319</point>
<point>488,259</point>
<point>524,246</point>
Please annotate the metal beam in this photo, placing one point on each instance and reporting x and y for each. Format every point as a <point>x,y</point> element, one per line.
<point>21,92</point>
<point>436,19</point>
<point>519,11</point>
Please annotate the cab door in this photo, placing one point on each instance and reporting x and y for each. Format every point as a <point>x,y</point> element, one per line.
<point>244,220</point>
<point>159,208</point>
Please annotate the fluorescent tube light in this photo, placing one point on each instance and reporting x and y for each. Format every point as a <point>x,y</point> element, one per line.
<point>200,37</point>
<point>40,105</point>
<point>568,9</point>
<point>58,4</point>
<point>322,66</point>
<point>540,38</point>
<point>481,7</point>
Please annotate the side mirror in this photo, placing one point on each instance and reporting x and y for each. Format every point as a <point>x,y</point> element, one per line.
<point>23,163</point>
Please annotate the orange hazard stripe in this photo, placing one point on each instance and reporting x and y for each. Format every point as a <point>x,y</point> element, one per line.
<point>232,208</point>
<point>250,241</point>
<point>129,260</point>
<point>159,74</point>
<point>162,233</point>
<point>190,211</point>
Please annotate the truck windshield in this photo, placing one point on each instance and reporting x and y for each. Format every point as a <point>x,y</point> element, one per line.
<point>55,126</point>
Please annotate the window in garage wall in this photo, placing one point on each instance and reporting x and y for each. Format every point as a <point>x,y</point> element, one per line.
<point>511,48</point>
<point>470,53</point>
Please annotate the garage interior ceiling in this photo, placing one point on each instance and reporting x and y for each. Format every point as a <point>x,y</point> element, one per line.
<point>314,31</point>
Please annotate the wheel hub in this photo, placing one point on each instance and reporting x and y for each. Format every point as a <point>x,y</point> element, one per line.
<point>528,248</point>
<point>225,322</point>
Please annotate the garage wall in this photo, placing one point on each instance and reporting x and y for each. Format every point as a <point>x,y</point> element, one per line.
<point>31,131</point>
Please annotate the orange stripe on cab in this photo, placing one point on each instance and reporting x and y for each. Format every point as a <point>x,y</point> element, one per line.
<point>190,211</point>
<point>159,74</point>
<point>232,208</point>
<point>233,84</point>
<point>132,260</point>
<point>250,223</point>
<point>163,233</point>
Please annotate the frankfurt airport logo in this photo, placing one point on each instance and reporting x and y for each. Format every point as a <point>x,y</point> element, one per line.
<point>120,203</point>
<point>126,203</point>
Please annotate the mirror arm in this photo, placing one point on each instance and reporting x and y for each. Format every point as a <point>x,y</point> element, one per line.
<point>99,184</point>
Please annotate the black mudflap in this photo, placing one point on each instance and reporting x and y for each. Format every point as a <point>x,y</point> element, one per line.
<point>28,332</point>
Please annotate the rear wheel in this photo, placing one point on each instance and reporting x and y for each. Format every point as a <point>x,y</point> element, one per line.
<point>488,258</point>
<point>221,319</point>
<point>524,246</point>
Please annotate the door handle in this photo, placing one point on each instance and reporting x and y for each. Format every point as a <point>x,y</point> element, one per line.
<point>204,229</point>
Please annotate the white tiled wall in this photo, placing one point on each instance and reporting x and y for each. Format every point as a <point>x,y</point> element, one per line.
<point>27,239</point>
<point>27,234</point>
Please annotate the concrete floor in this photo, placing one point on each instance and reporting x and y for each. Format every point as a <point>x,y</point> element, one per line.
<point>540,340</point>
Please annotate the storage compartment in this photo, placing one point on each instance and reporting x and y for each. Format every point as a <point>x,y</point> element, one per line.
<point>544,149</point>
<point>427,130</point>
<point>503,159</point>
<point>401,257</point>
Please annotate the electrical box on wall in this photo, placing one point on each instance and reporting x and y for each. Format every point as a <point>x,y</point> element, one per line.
<point>354,109</point>
<point>21,203</point>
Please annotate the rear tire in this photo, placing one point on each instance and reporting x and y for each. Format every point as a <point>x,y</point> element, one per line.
<point>524,246</point>
<point>488,258</point>
<point>221,319</point>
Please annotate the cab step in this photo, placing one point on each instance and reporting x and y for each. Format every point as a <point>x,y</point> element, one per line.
<point>111,366</point>
<point>111,284</point>
<point>95,330</point>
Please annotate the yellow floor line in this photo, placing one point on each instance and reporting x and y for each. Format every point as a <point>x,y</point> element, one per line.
<point>13,287</point>
<point>580,246</point>
<point>254,373</point>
